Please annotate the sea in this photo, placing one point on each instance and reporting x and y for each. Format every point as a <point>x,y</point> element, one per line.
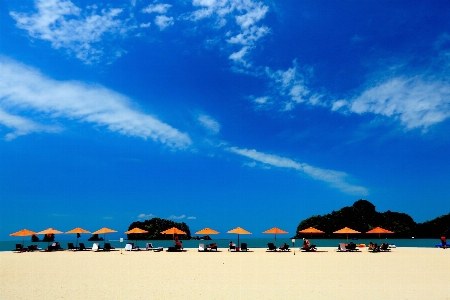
<point>223,243</point>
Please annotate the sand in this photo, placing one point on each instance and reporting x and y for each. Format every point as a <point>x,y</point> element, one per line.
<point>404,273</point>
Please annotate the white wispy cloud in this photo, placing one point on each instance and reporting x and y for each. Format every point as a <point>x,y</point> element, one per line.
<point>209,123</point>
<point>24,90</point>
<point>245,15</point>
<point>163,22</point>
<point>191,218</point>
<point>177,217</point>
<point>146,216</point>
<point>335,179</point>
<point>290,84</point>
<point>416,102</point>
<point>157,8</point>
<point>64,25</point>
<point>23,126</point>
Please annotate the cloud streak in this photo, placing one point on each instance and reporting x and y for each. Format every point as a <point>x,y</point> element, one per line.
<point>27,91</point>
<point>416,102</point>
<point>335,179</point>
<point>62,24</point>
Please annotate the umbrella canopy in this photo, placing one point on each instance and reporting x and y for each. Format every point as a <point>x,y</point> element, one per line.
<point>136,231</point>
<point>238,231</point>
<point>346,231</point>
<point>23,233</point>
<point>311,231</point>
<point>379,230</point>
<point>49,231</point>
<point>207,231</point>
<point>104,231</point>
<point>275,231</point>
<point>77,231</point>
<point>173,231</point>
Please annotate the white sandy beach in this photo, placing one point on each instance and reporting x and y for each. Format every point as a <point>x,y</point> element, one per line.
<point>404,273</point>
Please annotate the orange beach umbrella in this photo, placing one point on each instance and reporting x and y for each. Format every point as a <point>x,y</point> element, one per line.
<point>379,230</point>
<point>207,231</point>
<point>77,231</point>
<point>238,231</point>
<point>104,231</point>
<point>49,231</point>
<point>275,231</point>
<point>23,233</point>
<point>173,231</point>
<point>136,231</point>
<point>346,231</point>
<point>311,230</point>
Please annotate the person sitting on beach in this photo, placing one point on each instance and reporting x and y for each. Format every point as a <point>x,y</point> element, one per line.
<point>284,246</point>
<point>306,244</point>
<point>373,247</point>
<point>179,245</point>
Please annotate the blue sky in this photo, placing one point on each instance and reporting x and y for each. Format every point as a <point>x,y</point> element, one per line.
<point>221,113</point>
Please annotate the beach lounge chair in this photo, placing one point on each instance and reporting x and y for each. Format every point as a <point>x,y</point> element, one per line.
<point>108,247</point>
<point>128,247</point>
<point>19,248</point>
<point>83,247</point>
<point>32,248</point>
<point>351,247</point>
<point>341,247</point>
<point>244,247</point>
<point>271,247</point>
<point>201,247</point>
<point>149,246</point>
<point>212,246</point>
<point>70,246</point>
<point>285,248</point>
<point>232,247</point>
<point>385,247</point>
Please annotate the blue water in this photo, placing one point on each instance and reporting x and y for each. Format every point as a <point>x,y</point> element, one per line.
<point>223,243</point>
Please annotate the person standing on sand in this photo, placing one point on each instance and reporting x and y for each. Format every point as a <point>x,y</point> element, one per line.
<point>444,241</point>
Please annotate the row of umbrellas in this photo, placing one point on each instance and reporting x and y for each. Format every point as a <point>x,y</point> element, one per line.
<point>205,231</point>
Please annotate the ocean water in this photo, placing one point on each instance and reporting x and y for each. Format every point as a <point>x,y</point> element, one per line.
<point>223,243</point>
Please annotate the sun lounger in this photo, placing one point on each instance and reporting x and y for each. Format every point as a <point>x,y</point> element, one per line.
<point>385,247</point>
<point>341,247</point>
<point>128,247</point>
<point>271,247</point>
<point>352,247</point>
<point>232,247</point>
<point>20,248</point>
<point>150,247</point>
<point>244,247</point>
<point>285,248</point>
<point>108,247</point>
<point>201,247</point>
<point>210,247</point>
<point>32,248</point>
<point>311,248</point>
<point>83,247</point>
<point>70,246</point>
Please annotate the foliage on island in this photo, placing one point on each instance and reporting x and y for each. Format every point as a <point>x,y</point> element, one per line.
<point>155,226</point>
<point>49,238</point>
<point>95,238</point>
<point>362,216</point>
